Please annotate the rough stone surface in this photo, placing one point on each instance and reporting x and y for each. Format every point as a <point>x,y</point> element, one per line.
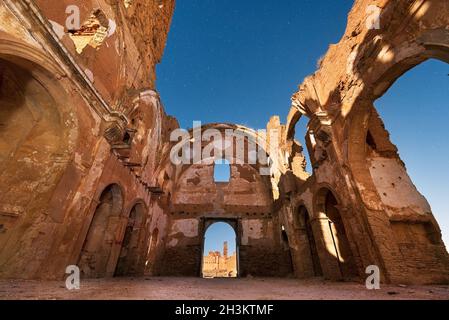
<point>86,177</point>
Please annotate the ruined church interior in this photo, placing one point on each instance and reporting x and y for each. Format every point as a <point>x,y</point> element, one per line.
<point>88,177</point>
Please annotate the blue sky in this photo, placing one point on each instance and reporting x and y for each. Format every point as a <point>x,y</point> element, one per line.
<point>216,235</point>
<point>240,61</point>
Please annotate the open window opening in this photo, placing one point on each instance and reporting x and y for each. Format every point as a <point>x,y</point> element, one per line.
<point>222,171</point>
<point>415,112</point>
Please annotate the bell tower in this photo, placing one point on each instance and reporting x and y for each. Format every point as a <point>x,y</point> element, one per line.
<point>225,249</point>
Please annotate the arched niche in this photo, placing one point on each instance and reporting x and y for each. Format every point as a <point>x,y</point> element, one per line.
<point>336,255</point>
<point>308,252</point>
<point>131,260</point>
<point>363,127</point>
<point>99,254</point>
<point>38,135</point>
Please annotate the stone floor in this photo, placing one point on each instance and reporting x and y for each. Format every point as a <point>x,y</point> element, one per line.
<point>213,289</point>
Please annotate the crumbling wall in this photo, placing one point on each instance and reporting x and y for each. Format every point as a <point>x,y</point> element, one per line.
<point>103,111</point>
<point>261,251</point>
<point>85,96</point>
<point>388,222</point>
<point>245,201</point>
<point>197,191</point>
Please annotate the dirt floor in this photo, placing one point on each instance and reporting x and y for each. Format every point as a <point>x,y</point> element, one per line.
<point>213,289</point>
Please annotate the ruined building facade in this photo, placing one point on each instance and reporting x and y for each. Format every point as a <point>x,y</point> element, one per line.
<point>86,177</point>
<point>218,265</point>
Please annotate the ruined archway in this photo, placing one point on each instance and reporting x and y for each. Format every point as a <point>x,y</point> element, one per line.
<point>307,244</point>
<point>217,263</point>
<point>131,260</point>
<point>384,185</point>
<point>102,244</point>
<point>38,133</point>
<point>301,143</point>
<point>399,118</point>
<point>31,136</point>
<point>337,257</point>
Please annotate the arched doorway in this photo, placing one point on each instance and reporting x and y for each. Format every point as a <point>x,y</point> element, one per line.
<point>335,236</point>
<point>131,260</point>
<point>98,258</point>
<point>31,135</point>
<point>38,132</point>
<point>220,250</point>
<point>305,233</point>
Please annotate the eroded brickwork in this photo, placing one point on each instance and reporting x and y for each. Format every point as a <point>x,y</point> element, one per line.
<point>87,178</point>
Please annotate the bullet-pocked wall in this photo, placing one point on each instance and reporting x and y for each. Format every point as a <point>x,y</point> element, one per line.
<point>87,177</point>
<point>245,201</point>
<point>81,129</point>
<point>382,218</point>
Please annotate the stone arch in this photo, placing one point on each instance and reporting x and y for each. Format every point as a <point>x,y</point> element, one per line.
<point>402,207</point>
<point>336,256</point>
<point>100,252</point>
<point>131,260</point>
<point>249,135</point>
<point>302,224</point>
<point>36,128</point>
<point>434,45</point>
<point>365,131</point>
<point>38,134</point>
<point>295,115</point>
<point>300,153</point>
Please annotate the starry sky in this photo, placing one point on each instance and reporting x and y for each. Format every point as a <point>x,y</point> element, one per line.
<point>239,61</point>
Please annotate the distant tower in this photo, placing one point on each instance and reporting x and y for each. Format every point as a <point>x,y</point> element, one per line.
<point>225,249</point>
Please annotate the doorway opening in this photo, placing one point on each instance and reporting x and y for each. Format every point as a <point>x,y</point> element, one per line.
<point>220,250</point>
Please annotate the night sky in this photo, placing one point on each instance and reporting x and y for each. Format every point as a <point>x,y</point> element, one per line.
<point>240,61</point>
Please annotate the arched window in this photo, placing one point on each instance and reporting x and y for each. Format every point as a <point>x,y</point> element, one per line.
<point>97,258</point>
